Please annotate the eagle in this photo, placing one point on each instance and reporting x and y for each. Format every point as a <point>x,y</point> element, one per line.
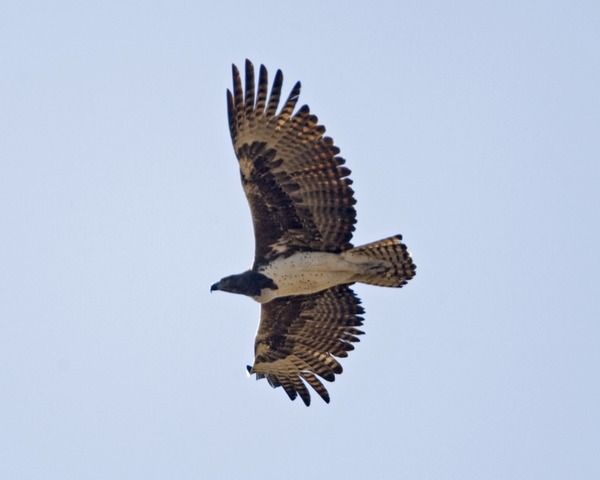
<point>303,214</point>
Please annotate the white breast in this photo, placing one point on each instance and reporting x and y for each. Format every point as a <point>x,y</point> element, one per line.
<point>306,272</point>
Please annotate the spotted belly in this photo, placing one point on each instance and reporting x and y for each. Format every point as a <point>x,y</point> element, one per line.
<point>304,273</point>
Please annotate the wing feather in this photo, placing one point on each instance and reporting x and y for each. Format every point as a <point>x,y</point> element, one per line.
<point>289,105</point>
<point>316,384</point>
<point>296,185</point>
<point>249,90</point>
<point>263,83</point>
<point>275,93</point>
<point>238,97</point>
<point>299,337</point>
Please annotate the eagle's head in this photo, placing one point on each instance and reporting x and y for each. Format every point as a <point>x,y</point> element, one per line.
<point>249,283</point>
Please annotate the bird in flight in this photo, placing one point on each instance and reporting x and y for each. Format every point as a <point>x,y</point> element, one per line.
<point>303,214</point>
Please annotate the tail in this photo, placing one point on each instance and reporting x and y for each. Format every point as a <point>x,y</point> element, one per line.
<point>386,263</point>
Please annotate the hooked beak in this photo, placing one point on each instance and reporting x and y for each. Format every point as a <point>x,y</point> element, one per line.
<point>214,286</point>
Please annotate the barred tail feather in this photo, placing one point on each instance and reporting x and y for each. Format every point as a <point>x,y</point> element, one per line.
<point>387,262</point>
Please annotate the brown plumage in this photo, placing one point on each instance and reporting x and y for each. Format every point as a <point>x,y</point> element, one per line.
<point>303,214</point>
<point>317,326</point>
<point>297,188</point>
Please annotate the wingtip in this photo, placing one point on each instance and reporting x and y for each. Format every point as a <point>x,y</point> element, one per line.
<point>249,66</point>
<point>278,76</point>
<point>296,90</point>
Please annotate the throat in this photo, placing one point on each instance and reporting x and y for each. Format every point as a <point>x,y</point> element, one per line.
<point>266,295</point>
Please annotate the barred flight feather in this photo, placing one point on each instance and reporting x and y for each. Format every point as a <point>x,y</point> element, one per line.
<point>300,335</point>
<point>290,164</point>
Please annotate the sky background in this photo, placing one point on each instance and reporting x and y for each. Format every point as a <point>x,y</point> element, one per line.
<point>472,128</point>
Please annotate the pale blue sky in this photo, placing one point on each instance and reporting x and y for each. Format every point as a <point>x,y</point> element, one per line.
<point>472,128</point>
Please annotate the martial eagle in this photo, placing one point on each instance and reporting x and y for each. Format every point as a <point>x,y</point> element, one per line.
<point>303,215</point>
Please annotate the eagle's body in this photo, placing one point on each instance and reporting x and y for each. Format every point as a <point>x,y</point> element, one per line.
<point>303,213</point>
<point>304,273</point>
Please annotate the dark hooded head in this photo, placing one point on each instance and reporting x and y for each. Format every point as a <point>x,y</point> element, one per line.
<point>248,283</point>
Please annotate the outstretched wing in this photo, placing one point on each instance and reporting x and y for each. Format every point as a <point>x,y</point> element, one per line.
<point>297,188</point>
<point>299,336</point>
